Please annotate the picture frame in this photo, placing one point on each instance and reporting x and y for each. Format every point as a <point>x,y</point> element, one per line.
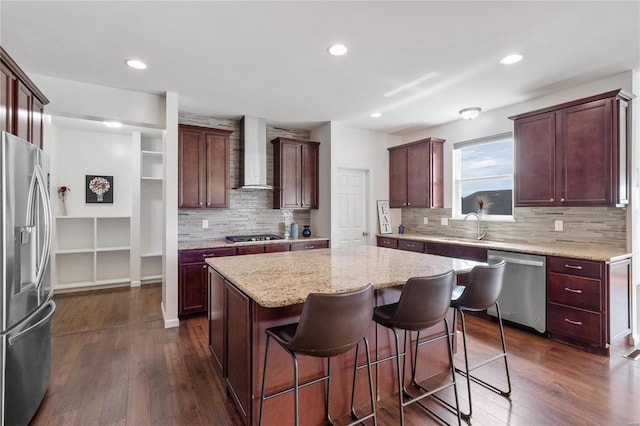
<point>384,217</point>
<point>98,189</point>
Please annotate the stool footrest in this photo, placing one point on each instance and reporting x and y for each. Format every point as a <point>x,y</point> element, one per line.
<point>300,386</point>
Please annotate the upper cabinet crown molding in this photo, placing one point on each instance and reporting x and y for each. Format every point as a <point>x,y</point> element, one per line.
<point>416,174</point>
<point>203,167</point>
<point>574,154</point>
<point>295,173</point>
<point>21,101</point>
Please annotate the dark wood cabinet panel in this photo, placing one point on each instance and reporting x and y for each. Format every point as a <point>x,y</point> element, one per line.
<point>309,245</point>
<point>216,319</point>
<point>21,102</point>
<point>203,167</point>
<point>274,248</point>
<point>574,154</point>
<point>192,288</point>
<point>251,249</point>
<point>238,342</point>
<point>410,245</point>
<point>478,254</point>
<point>295,169</point>
<point>388,242</point>
<point>416,174</point>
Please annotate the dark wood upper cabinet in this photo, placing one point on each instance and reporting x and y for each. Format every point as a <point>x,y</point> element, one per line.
<point>203,167</point>
<point>21,101</point>
<point>416,174</point>
<point>574,154</point>
<point>295,169</point>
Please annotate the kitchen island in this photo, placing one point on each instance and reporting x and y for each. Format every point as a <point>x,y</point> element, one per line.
<point>248,294</point>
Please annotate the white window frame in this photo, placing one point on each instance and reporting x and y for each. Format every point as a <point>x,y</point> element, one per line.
<point>456,202</point>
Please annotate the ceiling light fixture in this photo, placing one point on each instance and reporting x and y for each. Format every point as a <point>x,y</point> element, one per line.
<point>470,113</point>
<point>337,50</point>
<point>136,64</point>
<point>112,124</point>
<point>375,115</point>
<point>511,59</point>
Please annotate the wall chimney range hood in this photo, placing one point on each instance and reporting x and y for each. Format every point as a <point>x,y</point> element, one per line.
<point>253,153</point>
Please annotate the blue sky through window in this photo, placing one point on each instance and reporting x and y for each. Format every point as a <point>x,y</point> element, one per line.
<point>488,159</point>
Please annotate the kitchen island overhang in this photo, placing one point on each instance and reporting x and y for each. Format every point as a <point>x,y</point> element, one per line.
<point>250,293</point>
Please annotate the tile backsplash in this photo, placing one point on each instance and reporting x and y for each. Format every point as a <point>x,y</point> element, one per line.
<point>250,210</point>
<point>583,226</point>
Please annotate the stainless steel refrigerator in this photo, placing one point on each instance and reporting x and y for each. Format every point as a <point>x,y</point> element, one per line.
<point>26,307</point>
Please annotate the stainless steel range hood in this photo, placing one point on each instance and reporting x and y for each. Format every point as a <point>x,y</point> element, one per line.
<point>253,153</point>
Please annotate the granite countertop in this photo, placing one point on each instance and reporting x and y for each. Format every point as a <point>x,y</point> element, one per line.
<point>601,254</point>
<point>221,242</point>
<point>286,278</point>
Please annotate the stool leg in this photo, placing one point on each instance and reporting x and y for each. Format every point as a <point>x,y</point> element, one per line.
<point>327,417</point>
<point>400,381</point>
<point>371,395</point>
<point>264,375</point>
<point>353,385</point>
<point>504,351</point>
<point>295,388</point>
<point>466,365</point>
<point>354,416</point>
<point>453,369</point>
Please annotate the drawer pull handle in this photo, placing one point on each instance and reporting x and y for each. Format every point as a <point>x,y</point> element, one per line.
<point>573,322</point>
<point>572,290</point>
<point>310,247</point>
<point>208,255</point>
<point>573,267</point>
<point>411,245</point>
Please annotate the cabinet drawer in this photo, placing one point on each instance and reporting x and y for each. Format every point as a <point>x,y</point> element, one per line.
<point>583,268</point>
<point>411,246</point>
<point>576,323</point>
<point>309,245</point>
<point>273,248</point>
<point>579,292</point>
<point>387,242</point>
<point>187,256</point>
<point>251,249</point>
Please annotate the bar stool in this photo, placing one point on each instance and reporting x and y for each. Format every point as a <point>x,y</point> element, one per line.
<point>482,291</point>
<point>330,325</point>
<point>424,302</point>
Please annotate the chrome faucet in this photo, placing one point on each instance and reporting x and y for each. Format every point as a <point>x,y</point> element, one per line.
<point>479,235</point>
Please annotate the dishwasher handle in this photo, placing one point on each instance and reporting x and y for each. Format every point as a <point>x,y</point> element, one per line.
<point>516,261</point>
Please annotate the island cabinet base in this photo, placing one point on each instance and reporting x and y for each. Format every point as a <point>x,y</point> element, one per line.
<point>242,356</point>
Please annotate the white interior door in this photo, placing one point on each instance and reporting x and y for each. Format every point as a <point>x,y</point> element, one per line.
<point>352,207</point>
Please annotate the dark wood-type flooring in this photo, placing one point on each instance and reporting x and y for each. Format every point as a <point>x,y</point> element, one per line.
<point>113,363</point>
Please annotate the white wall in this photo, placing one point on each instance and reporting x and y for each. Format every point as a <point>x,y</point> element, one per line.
<point>73,98</point>
<point>366,150</point>
<point>80,153</point>
<point>321,218</point>
<point>497,121</point>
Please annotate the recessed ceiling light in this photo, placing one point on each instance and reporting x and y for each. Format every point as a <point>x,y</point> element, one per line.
<point>375,115</point>
<point>136,64</point>
<point>511,59</point>
<point>112,124</point>
<point>337,50</point>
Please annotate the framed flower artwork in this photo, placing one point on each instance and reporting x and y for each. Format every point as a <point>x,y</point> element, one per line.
<point>99,189</point>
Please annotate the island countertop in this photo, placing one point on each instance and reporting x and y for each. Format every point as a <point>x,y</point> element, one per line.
<point>286,278</point>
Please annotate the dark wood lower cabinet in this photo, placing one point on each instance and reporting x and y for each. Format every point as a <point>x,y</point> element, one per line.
<point>216,319</point>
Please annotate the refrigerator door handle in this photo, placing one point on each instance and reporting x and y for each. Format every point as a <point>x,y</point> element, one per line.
<point>16,337</point>
<point>38,183</point>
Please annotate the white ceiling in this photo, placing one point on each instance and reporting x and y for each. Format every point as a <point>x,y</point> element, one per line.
<point>416,62</point>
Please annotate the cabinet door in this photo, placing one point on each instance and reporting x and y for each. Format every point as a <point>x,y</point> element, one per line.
<point>192,298</point>
<point>7,80</point>
<point>586,152</point>
<point>398,177</point>
<point>217,169</point>
<point>191,169</point>
<point>535,153</point>
<point>436,163</point>
<point>216,318</point>
<point>238,356</point>
<point>418,172</point>
<point>309,175</point>
<point>24,109</point>
<point>290,171</point>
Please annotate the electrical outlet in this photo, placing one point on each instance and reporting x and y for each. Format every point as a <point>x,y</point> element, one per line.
<point>426,220</point>
<point>559,225</point>
<point>444,221</point>
<point>205,223</point>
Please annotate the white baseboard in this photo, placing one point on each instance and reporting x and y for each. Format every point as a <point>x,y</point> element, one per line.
<point>168,323</point>
<point>135,283</point>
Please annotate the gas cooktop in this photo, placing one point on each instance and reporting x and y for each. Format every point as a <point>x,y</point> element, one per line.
<point>258,237</point>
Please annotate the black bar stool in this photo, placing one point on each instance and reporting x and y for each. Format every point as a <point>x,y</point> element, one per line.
<point>424,303</point>
<point>482,291</point>
<point>330,325</point>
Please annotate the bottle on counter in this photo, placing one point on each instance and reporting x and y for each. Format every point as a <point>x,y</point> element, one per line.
<point>401,229</point>
<point>294,230</point>
<point>306,232</point>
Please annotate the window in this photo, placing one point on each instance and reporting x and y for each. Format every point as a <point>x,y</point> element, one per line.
<point>484,176</point>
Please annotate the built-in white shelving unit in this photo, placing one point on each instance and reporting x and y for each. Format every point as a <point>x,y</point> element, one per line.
<point>151,208</point>
<point>92,251</point>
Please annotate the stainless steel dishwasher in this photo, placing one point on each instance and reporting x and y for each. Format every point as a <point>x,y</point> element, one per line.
<point>523,299</point>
